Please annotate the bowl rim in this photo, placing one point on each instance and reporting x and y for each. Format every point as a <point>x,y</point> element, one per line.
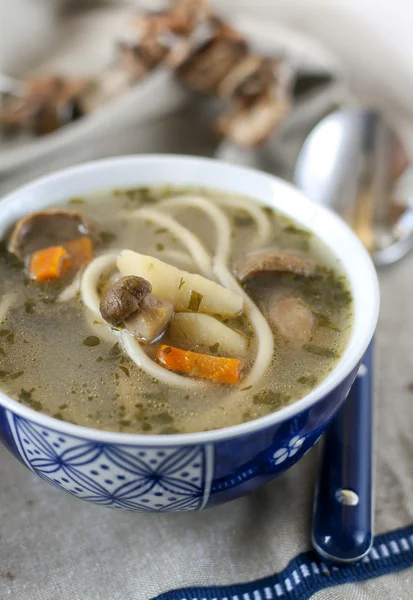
<point>344,366</point>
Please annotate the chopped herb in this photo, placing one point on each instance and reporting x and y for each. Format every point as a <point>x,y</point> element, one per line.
<point>195,300</point>
<point>99,359</point>
<point>29,306</point>
<point>106,237</point>
<point>125,422</point>
<point>125,370</point>
<point>160,247</point>
<point>246,388</point>
<point>268,211</point>
<point>163,418</point>
<point>243,219</point>
<point>115,351</point>
<point>2,352</point>
<point>146,426</point>
<point>77,201</point>
<point>91,340</point>
<point>63,406</point>
<point>26,395</point>
<point>4,332</point>
<point>271,398</point>
<point>58,416</point>
<point>15,375</point>
<point>10,338</point>
<point>320,351</point>
<point>308,380</point>
<point>297,231</point>
<point>214,348</point>
<point>324,321</point>
<point>161,230</point>
<point>181,283</point>
<point>170,430</point>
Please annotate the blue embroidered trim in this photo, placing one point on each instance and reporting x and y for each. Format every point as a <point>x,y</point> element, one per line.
<point>307,574</point>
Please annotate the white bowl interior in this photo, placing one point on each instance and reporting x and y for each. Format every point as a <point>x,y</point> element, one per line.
<point>181,170</point>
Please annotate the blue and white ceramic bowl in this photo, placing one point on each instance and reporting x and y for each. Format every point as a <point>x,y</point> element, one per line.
<point>152,473</point>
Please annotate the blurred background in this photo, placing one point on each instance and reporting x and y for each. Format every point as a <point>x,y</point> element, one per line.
<point>244,81</point>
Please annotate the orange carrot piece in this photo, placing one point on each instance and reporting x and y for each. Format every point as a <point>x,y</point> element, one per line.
<point>50,263</point>
<point>80,250</point>
<point>205,366</point>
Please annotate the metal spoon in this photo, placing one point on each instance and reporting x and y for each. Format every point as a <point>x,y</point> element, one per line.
<point>351,162</point>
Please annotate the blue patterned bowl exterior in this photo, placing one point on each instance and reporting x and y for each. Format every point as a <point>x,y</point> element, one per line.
<point>147,478</point>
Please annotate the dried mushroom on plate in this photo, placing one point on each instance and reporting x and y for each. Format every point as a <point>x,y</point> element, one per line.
<point>207,55</point>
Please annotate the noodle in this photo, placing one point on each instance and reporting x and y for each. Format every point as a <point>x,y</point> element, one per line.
<point>90,280</point>
<point>201,257</point>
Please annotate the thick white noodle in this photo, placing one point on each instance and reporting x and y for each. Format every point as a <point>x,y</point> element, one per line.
<point>90,280</point>
<point>6,303</point>
<point>262,221</point>
<point>140,358</point>
<point>201,257</point>
<point>223,238</point>
<point>71,290</point>
<point>265,340</point>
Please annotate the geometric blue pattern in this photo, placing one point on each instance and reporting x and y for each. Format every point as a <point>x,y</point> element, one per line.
<point>147,479</point>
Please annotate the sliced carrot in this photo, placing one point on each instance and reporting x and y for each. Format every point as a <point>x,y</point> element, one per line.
<point>50,263</point>
<point>205,366</point>
<point>80,250</point>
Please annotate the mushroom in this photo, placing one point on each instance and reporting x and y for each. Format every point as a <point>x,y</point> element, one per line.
<point>293,319</point>
<point>47,228</point>
<point>272,260</point>
<point>47,104</point>
<point>123,299</point>
<point>151,319</point>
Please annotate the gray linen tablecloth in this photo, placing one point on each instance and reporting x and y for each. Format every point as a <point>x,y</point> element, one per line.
<point>54,547</point>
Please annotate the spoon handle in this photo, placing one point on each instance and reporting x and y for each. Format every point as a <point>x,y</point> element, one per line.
<point>343,503</point>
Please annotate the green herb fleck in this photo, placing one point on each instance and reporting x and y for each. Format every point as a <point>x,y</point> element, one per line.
<point>2,352</point>
<point>63,406</point>
<point>26,395</point>
<point>91,340</point>
<point>99,359</point>
<point>246,388</point>
<point>243,219</point>
<point>161,230</point>
<point>77,201</point>
<point>106,237</point>
<point>268,211</point>
<point>59,416</point>
<point>29,306</point>
<point>125,370</point>
<point>195,300</point>
<point>271,398</point>
<point>297,231</point>
<point>325,322</point>
<point>181,283</point>
<point>4,332</point>
<point>115,351</point>
<point>214,348</point>
<point>160,247</point>
<point>169,430</point>
<point>146,426</point>
<point>311,380</point>
<point>320,351</point>
<point>15,375</point>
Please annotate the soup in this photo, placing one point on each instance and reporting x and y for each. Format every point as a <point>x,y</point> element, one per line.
<point>166,310</point>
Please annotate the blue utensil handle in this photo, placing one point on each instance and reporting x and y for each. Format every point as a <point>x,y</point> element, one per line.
<point>343,503</point>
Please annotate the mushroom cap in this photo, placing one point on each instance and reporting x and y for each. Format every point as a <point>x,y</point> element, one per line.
<point>45,228</point>
<point>123,299</point>
<point>272,260</point>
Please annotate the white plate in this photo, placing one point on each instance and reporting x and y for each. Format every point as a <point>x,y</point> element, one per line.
<point>155,96</point>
